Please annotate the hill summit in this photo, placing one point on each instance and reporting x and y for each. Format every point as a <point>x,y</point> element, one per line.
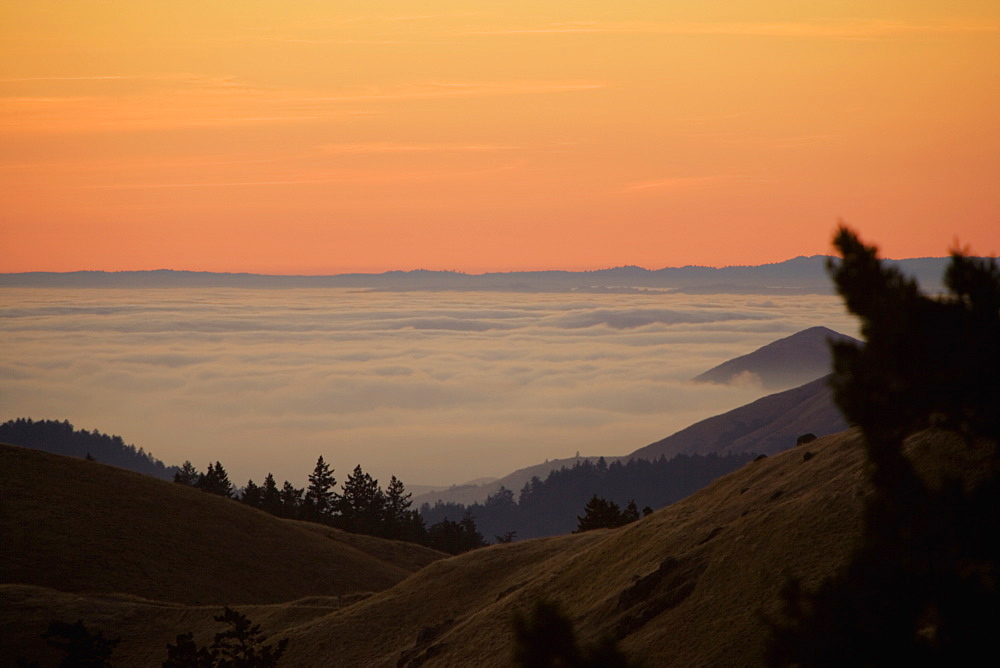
<point>781,364</point>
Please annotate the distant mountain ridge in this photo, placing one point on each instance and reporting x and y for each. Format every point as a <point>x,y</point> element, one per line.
<point>801,275</point>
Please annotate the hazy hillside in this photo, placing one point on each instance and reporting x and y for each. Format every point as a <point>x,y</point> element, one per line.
<point>62,438</point>
<point>768,425</point>
<point>781,364</point>
<point>471,493</point>
<point>79,526</point>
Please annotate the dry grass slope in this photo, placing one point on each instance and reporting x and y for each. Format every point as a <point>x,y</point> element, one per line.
<point>78,526</point>
<point>687,586</point>
<point>684,587</point>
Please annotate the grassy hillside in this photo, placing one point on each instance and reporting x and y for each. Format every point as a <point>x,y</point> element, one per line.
<point>722,555</point>
<point>686,586</point>
<point>79,526</point>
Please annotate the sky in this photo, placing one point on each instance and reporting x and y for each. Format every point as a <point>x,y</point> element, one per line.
<point>436,388</point>
<point>319,137</point>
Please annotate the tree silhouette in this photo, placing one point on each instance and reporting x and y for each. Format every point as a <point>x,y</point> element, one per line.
<point>599,513</point>
<point>320,498</point>
<point>270,496</point>
<point>361,503</point>
<point>215,480</point>
<point>922,586</point>
<point>187,474</point>
<point>82,649</point>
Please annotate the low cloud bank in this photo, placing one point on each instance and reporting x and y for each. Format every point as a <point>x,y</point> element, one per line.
<point>434,388</point>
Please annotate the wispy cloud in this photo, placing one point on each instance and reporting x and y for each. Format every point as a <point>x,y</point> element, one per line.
<point>676,183</point>
<point>435,89</point>
<point>390,147</point>
<point>213,101</point>
<point>859,29</point>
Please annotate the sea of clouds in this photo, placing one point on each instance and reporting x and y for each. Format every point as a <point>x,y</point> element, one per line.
<point>434,387</point>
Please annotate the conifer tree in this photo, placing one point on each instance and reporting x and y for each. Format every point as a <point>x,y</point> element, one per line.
<point>187,474</point>
<point>320,498</point>
<point>599,513</point>
<point>361,503</point>
<point>291,500</point>
<point>215,480</point>
<point>251,494</point>
<point>270,496</point>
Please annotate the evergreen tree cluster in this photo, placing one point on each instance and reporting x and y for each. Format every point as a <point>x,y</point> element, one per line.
<point>599,513</point>
<point>552,506</point>
<point>61,438</point>
<point>361,505</point>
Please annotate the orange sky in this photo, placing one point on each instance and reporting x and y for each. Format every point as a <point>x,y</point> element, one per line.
<point>328,136</point>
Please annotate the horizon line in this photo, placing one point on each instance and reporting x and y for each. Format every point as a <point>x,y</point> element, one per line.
<point>456,272</point>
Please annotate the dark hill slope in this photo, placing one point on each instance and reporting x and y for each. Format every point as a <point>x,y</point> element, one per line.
<point>79,526</point>
<point>770,424</point>
<point>787,362</point>
<point>686,586</point>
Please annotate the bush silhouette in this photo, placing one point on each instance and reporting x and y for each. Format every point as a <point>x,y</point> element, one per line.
<point>545,638</point>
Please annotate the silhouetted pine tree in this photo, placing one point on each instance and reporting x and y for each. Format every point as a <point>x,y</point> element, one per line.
<point>320,498</point>
<point>599,513</point>
<point>291,501</point>
<point>187,474</point>
<point>361,503</point>
<point>270,496</point>
<point>251,494</point>
<point>215,480</point>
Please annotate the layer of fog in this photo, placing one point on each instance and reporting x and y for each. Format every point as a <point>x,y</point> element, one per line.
<point>432,387</point>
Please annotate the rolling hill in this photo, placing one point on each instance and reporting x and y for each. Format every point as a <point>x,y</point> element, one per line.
<point>688,585</point>
<point>78,526</point>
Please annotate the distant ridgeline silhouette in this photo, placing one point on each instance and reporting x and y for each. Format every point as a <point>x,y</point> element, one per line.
<point>62,439</point>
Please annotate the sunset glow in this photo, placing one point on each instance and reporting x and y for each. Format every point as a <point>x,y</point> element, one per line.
<point>327,137</point>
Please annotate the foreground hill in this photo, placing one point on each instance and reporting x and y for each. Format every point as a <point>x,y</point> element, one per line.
<point>684,586</point>
<point>769,425</point>
<point>79,526</point>
<point>688,585</point>
<point>781,364</point>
